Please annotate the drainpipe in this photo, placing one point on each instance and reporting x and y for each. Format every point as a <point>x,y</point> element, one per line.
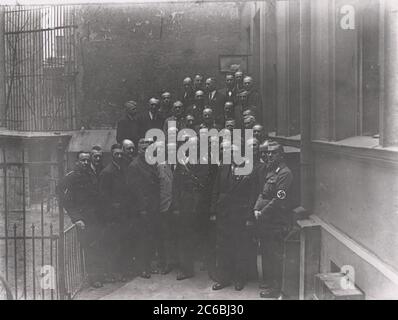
<point>305,106</point>
<point>389,118</point>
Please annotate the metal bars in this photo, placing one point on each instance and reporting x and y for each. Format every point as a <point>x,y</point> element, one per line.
<point>40,67</point>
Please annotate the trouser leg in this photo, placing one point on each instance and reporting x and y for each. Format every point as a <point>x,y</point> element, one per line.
<point>243,248</point>
<point>225,255</point>
<point>186,245</point>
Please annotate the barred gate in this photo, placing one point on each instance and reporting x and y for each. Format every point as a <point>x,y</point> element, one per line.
<point>33,250</point>
<point>40,67</point>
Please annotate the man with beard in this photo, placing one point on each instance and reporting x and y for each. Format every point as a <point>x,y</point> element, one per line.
<point>128,152</point>
<point>197,108</point>
<point>233,198</point>
<point>118,215</point>
<point>177,116</point>
<point>165,105</point>
<point>144,186</point>
<point>129,128</point>
<point>79,195</point>
<point>188,96</point>
<point>272,213</point>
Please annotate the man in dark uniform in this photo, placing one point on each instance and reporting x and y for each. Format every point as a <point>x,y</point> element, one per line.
<point>129,127</point>
<point>215,100</point>
<point>79,195</point>
<point>188,95</point>
<point>196,109</point>
<point>233,198</point>
<point>144,186</point>
<point>118,215</point>
<point>272,213</point>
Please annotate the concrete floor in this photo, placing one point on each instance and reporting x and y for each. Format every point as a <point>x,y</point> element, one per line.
<point>166,287</point>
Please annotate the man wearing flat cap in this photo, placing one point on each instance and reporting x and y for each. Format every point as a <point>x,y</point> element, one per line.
<point>272,214</point>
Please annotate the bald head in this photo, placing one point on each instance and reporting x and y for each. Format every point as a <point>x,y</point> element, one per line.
<point>249,122</point>
<point>128,148</point>
<point>177,108</point>
<point>153,105</point>
<point>198,82</point>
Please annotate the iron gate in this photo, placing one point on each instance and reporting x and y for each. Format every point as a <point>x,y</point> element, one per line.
<point>40,67</point>
<point>37,260</point>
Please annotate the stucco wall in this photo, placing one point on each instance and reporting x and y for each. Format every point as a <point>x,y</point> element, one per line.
<point>133,52</point>
<point>356,191</point>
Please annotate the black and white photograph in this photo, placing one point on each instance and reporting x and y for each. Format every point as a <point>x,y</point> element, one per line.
<point>200,154</point>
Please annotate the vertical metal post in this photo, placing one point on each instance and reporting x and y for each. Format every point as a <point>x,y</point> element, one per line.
<point>5,207</point>
<point>33,263</point>
<point>61,257</point>
<point>24,219</point>
<point>2,70</point>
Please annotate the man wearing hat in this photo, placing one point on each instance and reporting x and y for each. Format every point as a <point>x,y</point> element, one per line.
<point>272,214</point>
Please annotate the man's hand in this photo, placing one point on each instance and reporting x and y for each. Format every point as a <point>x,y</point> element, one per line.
<point>80,224</point>
<point>257,214</point>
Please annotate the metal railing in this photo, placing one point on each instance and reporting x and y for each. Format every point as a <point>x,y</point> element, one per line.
<point>75,273</point>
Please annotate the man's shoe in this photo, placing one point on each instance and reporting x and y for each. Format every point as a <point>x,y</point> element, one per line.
<point>166,270</point>
<point>239,286</point>
<point>219,286</point>
<point>97,284</point>
<point>183,276</point>
<point>145,275</point>
<point>270,294</point>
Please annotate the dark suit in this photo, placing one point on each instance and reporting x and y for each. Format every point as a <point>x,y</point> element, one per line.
<point>254,102</point>
<point>195,111</point>
<point>128,129</point>
<point>144,185</point>
<point>233,199</point>
<point>146,122</point>
<point>79,195</point>
<point>229,94</point>
<point>187,98</point>
<point>216,102</point>
<point>118,215</point>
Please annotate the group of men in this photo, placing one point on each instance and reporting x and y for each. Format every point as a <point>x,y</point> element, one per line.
<point>136,217</point>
